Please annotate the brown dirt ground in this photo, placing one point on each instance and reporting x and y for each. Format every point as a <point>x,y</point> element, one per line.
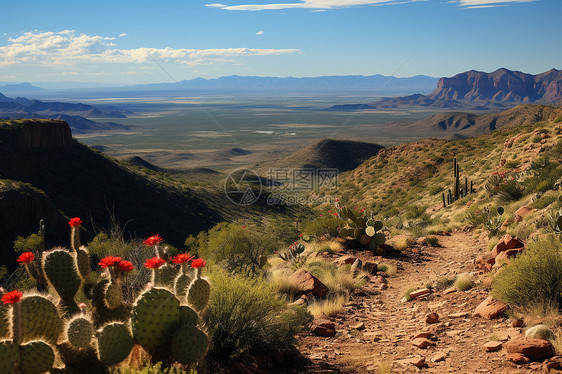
<point>390,323</point>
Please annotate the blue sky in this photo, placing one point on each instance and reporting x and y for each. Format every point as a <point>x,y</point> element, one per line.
<point>119,41</point>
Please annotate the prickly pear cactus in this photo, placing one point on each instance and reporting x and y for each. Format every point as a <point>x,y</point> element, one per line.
<point>155,317</point>
<point>36,358</point>
<point>101,313</point>
<point>61,271</point>
<point>115,343</point>
<point>9,357</point>
<point>166,276</point>
<point>80,332</point>
<point>40,319</point>
<point>81,360</point>
<point>113,295</point>
<point>83,261</point>
<point>188,317</point>
<point>199,293</point>
<point>189,345</point>
<point>4,321</point>
<point>182,285</point>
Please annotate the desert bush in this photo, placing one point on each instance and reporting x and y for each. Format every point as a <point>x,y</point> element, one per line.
<point>247,315</point>
<point>324,246</point>
<point>535,277</point>
<point>442,283</point>
<point>545,174</point>
<point>432,241</point>
<point>238,248</point>
<point>327,225</point>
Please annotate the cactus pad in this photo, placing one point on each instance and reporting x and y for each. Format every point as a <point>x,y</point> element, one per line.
<point>83,261</point>
<point>36,357</point>
<point>189,345</point>
<point>115,343</point>
<point>198,294</point>
<point>155,317</point>
<point>4,322</point>
<point>113,296</point>
<point>40,319</point>
<point>101,313</point>
<point>61,271</point>
<point>188,317</point>
<point>182,284</point>
<point>80,332</point>
<point>166,276</point>
<point>9,357</point>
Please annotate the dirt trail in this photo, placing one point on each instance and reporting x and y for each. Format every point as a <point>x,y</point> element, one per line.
<point>390,323</point>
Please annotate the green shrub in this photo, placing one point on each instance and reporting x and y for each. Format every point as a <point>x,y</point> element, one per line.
<point>238,248</point>
<point>326,225</point>
<point>246,315</point>
<point>533,278</point>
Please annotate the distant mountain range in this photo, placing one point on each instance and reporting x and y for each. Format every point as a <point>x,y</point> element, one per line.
<point>76,115</point>
<point>476,90</point>
<point>420,82</point>
<point>20,88</point>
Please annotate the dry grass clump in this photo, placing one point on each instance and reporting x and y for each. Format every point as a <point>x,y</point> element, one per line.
<point>331,247</point>
<point>329,307</point>
<point>388,269</point>
<point>464,282</point>
<point>402,242</point>
<point>280,280</point>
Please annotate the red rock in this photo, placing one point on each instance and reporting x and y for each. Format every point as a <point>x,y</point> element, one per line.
<point>306,282</point>
<point>450,290</point>
<point>490,308</point>
<point>505,256</point>
<point>419,293</point>
<point>432,318</point>
<point>522,213</point>
<point>493,346</point>
<point>485,262</point>
<point>324,323</point>
<point>518,358</point>
<point>358,326</point>
<point>345,260</point>
<point>379,279</point>
<point>422,343</point>
<point>323,331</point>
<point>535,349</point>
<point>507,242</point>
<point>423,335</point>
<point>517,322</point>
<point>418,362</point>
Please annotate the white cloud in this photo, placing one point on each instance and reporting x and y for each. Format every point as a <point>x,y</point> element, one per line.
<point>68,48</point>
<point>259,32</point>
<point>308,4</point>
<point>122,35</point>
<point>489,3</point>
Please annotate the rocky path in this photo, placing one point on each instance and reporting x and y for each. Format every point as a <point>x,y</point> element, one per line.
<point>390,324</point>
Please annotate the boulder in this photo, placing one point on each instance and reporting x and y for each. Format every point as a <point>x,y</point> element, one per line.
<point>493,346</point>
<point>345,260</point>
<point>323,327</point>
<point>432,318</point>
<point>422,343</point>
<point>522,213</point>
<point>419,293</point>
<point>306,282</point>
<point>505,256</point>
<point>507,242</point>
<point>485,262</point>
<point>534,349</point>
<point>490,308</point>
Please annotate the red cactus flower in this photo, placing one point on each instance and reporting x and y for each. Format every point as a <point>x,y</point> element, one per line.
<point>199,263</point>
<point>337,199</point>
<point>154,240</point>
<point>154,263</point>
<point>182,258</point>
<point>12,297</point>
<point>321,215</point>
<point>300,235</point>
<point>109,261</point>
<point>75,222</point>
<point>125,266</point>
<point>243,227</point>
<point>26,257</point>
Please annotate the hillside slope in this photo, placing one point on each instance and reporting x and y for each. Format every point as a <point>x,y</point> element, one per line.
<point>471,124</point>
<point>404,183</point>
<point>328,153</point>
<point>66,179</point>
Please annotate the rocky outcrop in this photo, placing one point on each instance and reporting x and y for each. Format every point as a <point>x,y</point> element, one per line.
<point>308,283</point>
<point>41,134</point>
